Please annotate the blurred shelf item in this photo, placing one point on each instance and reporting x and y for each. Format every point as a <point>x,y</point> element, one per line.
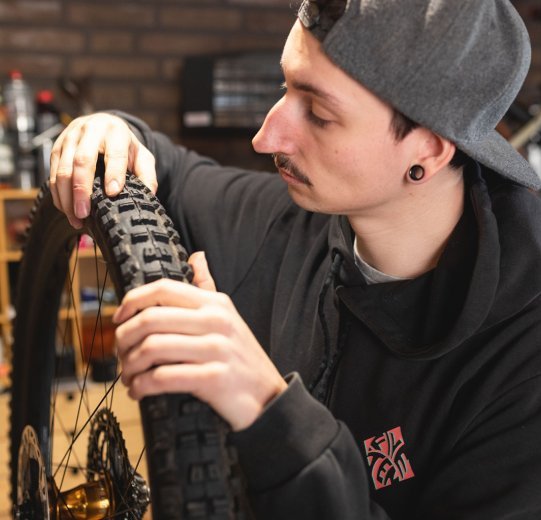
<point>14,207</point>
<point>80,303</point>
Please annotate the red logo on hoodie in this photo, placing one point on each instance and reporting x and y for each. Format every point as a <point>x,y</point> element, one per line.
<point>387,459</point>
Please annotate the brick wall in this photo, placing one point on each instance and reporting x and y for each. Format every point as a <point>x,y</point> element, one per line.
<point>131,51</point>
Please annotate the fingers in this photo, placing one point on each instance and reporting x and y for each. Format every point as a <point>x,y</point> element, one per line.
<point>167,293</point>
<point>202,277</point>
<point>83,171</point>
<point>116,151</point>
<point>165,320</point>
<point>110,136</point>
<point>61,169</point>
<point>165,349</point>
<point>173,293</point>
<point>144,165</point>
<point>124,152</point>
<point>187,339</point>
<point>184,378</point>
<point>74,156</point>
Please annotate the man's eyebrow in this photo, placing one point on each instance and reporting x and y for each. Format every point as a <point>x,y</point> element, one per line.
<point>308,87</point>
<point>312,89</point>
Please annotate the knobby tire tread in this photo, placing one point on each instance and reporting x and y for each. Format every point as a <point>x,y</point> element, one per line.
<point>193,473</point>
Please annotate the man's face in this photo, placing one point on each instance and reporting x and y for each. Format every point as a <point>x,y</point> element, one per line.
<point>332,138</point>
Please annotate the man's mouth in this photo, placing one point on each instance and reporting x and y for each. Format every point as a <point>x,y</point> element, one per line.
<point>288,170</point>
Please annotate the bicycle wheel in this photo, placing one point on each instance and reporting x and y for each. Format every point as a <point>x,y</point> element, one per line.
<point>192,470</point>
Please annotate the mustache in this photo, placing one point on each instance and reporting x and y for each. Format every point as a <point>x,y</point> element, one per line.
<point>283,162</point>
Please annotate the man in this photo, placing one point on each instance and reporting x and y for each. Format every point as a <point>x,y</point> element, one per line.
<point>378,353</point>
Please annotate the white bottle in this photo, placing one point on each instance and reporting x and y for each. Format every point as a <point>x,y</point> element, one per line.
<point>19,100</point>
<point>21,112</point>
<point>7,165</point>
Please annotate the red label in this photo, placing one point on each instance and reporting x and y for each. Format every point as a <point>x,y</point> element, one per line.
<point>386,458</point>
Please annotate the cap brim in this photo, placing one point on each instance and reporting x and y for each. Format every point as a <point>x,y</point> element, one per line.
<point>496,153</point>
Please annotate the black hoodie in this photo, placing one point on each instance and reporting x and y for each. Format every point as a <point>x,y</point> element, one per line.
<point>412,399</point>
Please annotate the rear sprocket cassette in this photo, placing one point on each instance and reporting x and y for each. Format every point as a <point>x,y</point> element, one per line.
<point>107,454</point>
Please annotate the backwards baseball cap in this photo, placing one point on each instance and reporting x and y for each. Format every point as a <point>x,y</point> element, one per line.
<point>453,66</point>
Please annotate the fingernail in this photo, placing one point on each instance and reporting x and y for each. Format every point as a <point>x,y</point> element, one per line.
<point>113,188</point>
<point>82,209</point>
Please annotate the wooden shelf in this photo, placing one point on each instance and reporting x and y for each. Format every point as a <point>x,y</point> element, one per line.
<point>67,314</point>
<point>9,198</point>
<point>12,194</point>
<point>11,256</point>
<point>88,252</point>
<point>106,311</point>
<point>18,202</point>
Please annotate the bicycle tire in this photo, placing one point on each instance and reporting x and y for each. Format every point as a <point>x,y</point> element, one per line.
<point>192,471</point>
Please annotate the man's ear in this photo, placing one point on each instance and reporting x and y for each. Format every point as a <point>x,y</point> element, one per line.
<point>434,153</point>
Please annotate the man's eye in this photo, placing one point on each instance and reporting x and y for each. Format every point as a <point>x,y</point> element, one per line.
<point>315,120</point>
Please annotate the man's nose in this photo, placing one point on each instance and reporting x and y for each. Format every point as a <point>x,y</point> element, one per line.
<point>276,133</point>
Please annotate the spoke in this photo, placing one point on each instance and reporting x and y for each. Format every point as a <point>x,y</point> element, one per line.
<point>77,329</point>
<point>75,437</point>
<point>85,449</point>
<point>64,465</point>
<point>64,334</point>
<point>82,391</point>
<point>68,436</point>
<point>134,472</point>
<point>99,321</point>
<point>71,304</point>
<point>73,468</point>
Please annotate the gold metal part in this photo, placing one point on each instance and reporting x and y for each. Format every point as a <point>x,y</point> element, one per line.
<point>90,501</point>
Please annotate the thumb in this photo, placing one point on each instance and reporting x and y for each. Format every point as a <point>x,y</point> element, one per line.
<point>202,277</point>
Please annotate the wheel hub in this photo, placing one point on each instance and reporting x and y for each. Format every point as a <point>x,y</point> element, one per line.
<point>113,487</point>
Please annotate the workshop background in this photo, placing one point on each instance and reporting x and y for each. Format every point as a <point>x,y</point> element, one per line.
<point>132,55</point>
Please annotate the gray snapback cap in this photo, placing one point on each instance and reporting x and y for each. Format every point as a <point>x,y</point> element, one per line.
<point>453,66</point>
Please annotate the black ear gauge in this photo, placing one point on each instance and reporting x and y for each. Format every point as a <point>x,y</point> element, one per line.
<point>416,173</point>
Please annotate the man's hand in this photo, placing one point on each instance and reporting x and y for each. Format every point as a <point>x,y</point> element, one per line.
<point>74,156</point>
<point>177,337</point>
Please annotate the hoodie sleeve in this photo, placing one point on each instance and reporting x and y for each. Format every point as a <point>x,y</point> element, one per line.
<point>224,211</point>
<point>300,462</point>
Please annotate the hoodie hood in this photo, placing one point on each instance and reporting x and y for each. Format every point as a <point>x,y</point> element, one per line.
<point>465,294</point>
